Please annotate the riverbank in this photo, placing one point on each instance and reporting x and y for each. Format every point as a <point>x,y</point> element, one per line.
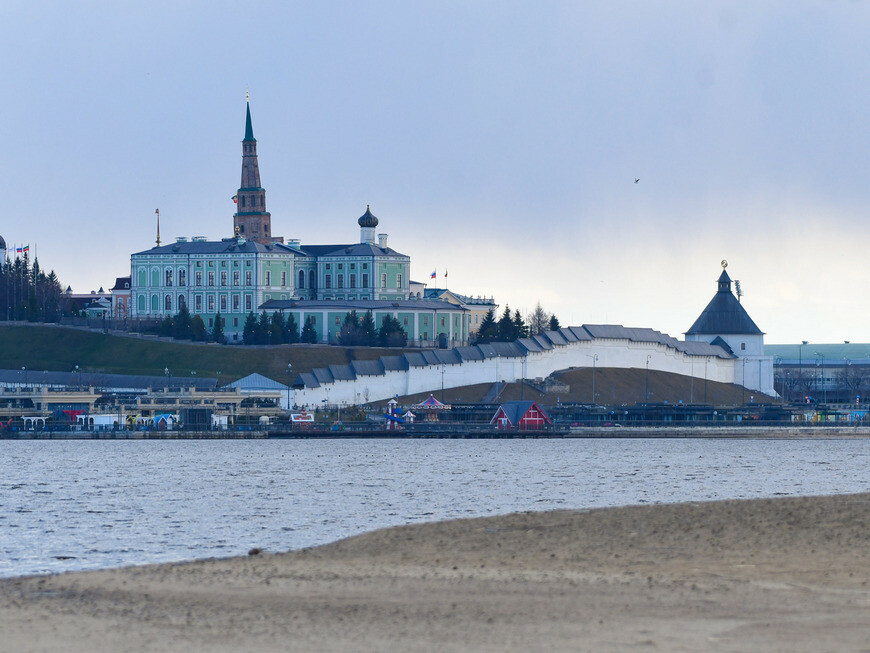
<point>781,574</point>
<point>828,431</point>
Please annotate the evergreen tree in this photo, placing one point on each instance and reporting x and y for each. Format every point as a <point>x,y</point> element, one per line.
<point>350,334</point>
<point>276,329</point>
<point>554,323</point>
<point>198,330</point>
<point>488,329</point>
<point>506,326</point>
<point>309,332</point>
<point>391,333</point>
<point>249,331</point>
<point>291,330</point>
<point>183,327</point>
<point>263,333</point>
<point>368,330</point>
<point>167,327</point>
<point>520,328</point>
<point>217,332</point>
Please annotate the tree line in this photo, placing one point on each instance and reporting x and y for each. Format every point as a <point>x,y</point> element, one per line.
<point>27,293</point>
<point>275,329</point>
<point>509,326</point>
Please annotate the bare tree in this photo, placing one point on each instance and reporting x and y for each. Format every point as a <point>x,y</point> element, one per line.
<point>538,320</point>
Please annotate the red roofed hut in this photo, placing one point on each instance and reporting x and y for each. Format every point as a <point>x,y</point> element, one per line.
<point>523,415</point>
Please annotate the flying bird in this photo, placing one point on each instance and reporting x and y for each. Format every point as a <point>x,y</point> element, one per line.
<point>636,179</point>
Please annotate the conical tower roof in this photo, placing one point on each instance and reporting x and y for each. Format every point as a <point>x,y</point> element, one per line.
<point>724,314</point>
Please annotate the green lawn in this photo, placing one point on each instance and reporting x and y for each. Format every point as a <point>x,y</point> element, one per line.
<point>60,349</point>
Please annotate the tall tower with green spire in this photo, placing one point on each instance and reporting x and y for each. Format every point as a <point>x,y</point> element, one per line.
<point>251,219</point>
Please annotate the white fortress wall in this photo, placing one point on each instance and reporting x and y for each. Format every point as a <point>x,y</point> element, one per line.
<point>612,353</point>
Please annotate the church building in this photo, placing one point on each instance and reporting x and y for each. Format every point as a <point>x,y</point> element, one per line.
<point>255,270</point>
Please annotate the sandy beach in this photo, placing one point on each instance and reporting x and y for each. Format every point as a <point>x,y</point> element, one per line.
<point>786,574</point>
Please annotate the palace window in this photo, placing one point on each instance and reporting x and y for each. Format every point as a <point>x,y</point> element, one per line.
<point>249,302</point>
<point>302,278</point>
<point>328,281</point>
<point>341,266</point>
<point>327,266</point>
<point>236,277</point>
<point>224,303</point>
<point>211,303</point>
<point>384,280</point>
<point>198,278</point>
<point>169,277</point>
<point>223,277</point>
<point>182,277</point>
<point>236,303</point>
<point>398,281</point>
<point>365,280</point>
<point>167,303</point>
<point>211,277</point>
<point>248,277</point>
<point>311,280</point>
<point>341,280</point>
<point>197,303</point>
<point>353,281</point>
<point>268,277</point>
<point>283,278</point>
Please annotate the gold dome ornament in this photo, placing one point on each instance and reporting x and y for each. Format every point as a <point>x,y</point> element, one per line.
<point>724,264</point>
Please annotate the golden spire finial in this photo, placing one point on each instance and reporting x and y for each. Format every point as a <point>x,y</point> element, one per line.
<point>157,211</point>
<point>724,264</point>
<point>247,95</point>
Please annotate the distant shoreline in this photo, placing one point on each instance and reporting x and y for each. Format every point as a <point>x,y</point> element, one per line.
<point>603,432</point>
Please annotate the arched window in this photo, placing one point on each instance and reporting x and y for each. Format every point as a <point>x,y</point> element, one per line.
<point>302,278</point>
<point>311,280</point>
<point>167,303</point>
<point>180,302</point>
<point>143,277</point>
<point>155,277</point>
<point>141,303</point>
<point>154,303</point>
<point>168,277</point>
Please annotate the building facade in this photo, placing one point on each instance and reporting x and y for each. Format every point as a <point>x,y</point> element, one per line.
<point>241,274</point>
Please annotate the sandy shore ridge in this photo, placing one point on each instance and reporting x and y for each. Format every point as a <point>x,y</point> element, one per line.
<point>773,574</point>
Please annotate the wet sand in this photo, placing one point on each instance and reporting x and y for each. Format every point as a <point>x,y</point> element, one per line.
<point>762,575</point>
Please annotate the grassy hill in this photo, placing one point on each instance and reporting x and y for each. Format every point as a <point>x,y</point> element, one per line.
<point>60,349</point>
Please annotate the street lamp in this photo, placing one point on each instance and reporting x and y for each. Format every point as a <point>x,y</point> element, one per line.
<point>743,384</point>
<point>78,370</point>
<point>168,377</point>
<point>706,360</point>
<point>594,358</point>
<point>443,367</point>
<point>801,361</point>
<point>646,382</point>
<point>289,381</point>
<point>821,377</point>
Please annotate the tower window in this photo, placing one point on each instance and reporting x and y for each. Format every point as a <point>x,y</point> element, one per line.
<point>243,200</point>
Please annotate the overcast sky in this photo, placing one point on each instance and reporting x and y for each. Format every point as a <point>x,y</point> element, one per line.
<point>498,141</point>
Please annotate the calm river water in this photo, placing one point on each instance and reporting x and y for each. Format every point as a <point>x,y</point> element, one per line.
<point>69,505</point>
